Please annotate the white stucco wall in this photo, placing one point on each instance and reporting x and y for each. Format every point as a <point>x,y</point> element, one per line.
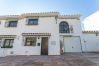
<point>45,25</point>
<point>77,31</point>
<point>91,42</point>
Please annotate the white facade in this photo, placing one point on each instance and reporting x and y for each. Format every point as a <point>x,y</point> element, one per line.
<point>48,26</point>
<point>91,41</point>
<point>91,38</point>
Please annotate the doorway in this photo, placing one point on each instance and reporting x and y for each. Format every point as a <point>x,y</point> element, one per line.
<point>44,46</point>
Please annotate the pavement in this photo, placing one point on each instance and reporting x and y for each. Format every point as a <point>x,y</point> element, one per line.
<point>68,59</point>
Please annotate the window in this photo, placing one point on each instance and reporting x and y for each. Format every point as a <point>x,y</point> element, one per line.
<point>12,24</point>
<point>8,43</point>
<point>32,21</point>
<point>64,27</point>
<point>30,41</point>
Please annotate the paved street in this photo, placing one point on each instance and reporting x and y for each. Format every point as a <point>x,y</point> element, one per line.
<point>68,59</point>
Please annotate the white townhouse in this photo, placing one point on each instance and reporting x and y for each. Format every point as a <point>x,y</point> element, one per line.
<point>91,36</point>
<point>46,33</point>
<point>92,22</point>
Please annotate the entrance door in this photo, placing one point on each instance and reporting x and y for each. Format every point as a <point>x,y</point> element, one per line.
<point>44,46</point>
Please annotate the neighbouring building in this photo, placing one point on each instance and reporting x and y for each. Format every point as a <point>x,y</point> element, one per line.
<point>46,33</point>
<point>91,22</point>
<point>91,35</point>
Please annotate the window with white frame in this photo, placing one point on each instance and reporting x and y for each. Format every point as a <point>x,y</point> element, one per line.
<point>8,43</point>
<point>11,24</point>
<point>32,22</point>
<point>30,41</point>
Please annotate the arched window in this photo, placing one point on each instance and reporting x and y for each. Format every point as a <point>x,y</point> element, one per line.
<point>64,27</point>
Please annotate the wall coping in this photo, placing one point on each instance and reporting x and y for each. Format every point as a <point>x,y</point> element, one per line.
<point>42,14</point>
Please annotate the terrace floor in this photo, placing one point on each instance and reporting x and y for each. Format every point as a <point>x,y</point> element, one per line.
<point>68,59</point>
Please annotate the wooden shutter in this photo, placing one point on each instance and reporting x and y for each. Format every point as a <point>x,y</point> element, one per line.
<point>0,42</point>
<point>23,40</point>
<point>26,21</point>
<point>6,24</point>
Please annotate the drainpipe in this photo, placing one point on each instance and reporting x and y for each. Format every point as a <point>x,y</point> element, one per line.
<point>81,45</point>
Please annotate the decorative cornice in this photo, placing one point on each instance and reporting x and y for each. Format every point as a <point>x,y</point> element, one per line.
<point>43,14</point>
<point>9,17</point>
<point>7,36</point>
<point>36,34</point>
<point>69,16</point>
<point>94,32</point>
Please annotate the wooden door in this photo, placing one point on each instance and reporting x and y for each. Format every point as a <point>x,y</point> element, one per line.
<point>44,46</point>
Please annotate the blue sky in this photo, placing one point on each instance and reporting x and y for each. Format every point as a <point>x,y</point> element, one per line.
<point>84,7</point>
